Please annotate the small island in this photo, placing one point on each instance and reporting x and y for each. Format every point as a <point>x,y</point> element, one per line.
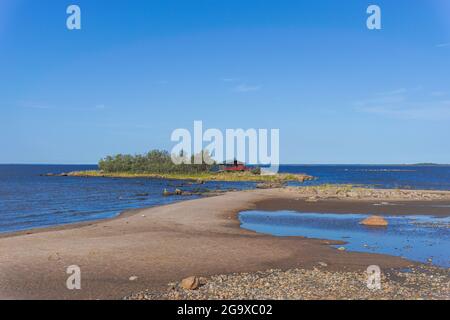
<point>158,164</point>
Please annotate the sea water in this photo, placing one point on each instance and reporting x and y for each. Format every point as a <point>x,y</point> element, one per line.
<point>420,238</point>
<point>29,200</point>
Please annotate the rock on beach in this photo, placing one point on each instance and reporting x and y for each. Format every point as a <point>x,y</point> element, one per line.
<point>375,221</point>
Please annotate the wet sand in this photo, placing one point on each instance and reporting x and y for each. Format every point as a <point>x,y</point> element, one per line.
<point>164,244</point>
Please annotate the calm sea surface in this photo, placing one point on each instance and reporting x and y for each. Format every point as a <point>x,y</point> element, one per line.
<point>28,200</point>
<point>420,238</point>
<point>378,176</point>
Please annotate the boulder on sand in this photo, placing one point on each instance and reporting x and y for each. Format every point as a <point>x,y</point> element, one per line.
<point>374,221</point>
<point>190,283</point>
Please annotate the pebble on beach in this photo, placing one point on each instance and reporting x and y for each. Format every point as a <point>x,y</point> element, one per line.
<point>423,282</point>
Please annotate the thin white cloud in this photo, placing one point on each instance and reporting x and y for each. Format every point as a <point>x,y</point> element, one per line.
<point>396,96</point>
<point>434,113</point>
<point>115,125</point>
<point>438,93</point>
<point>44,106</point>
<point>393,92</point>
<point>406,104</point>
<point>247,88</point>
<point>443,45</point>
<point>229,79</point>
<point>382,100</point>
<point>34,105</point>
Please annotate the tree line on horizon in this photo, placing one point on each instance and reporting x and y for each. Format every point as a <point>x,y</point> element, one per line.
<point>155,162</point>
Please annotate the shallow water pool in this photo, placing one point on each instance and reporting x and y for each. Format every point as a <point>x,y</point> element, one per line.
<point>419,238</point>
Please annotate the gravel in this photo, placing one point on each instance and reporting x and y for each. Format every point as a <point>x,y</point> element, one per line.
<point>418,283</point>
<point>317,193</point>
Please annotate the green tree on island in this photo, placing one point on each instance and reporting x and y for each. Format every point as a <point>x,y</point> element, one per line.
<point>156,162</point>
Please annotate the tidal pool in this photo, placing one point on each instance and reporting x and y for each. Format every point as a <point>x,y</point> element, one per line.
<point>419,238</point>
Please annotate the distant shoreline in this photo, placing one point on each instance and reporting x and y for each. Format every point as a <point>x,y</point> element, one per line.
<point>282,165</point>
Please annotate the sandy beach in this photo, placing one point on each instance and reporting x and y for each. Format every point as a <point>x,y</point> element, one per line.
<point>201,237</point>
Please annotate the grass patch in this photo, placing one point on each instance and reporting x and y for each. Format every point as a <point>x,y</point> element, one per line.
<point>203,176</point>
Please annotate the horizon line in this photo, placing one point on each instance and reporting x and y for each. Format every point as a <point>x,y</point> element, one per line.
<point>282,164</point>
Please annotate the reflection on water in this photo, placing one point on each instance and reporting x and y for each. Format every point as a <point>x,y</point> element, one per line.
<point>418,238</point>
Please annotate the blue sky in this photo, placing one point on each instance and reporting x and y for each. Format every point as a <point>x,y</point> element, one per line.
<point>338,92</point>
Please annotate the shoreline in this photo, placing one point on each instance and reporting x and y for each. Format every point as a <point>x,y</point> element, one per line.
<point>273,204</point>
<point>277,204</point>
<point>166,243</point>
<point>245,176</point>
